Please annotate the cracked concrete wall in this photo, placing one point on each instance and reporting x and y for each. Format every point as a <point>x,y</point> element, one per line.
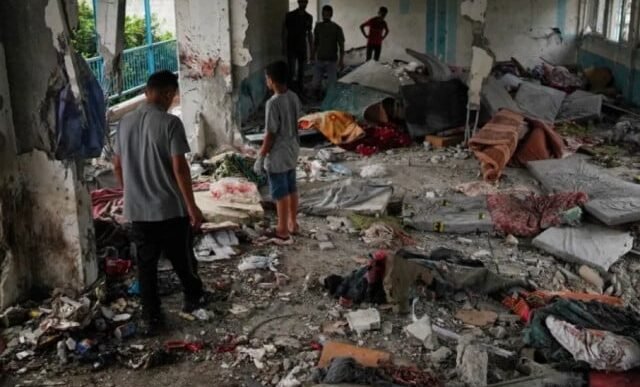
<point>46,236</point>
<point>216,54</point>
<point>523,29</point>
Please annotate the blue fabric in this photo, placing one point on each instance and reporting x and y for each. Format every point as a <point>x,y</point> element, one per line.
<point>80,126</point>
<point>283,184</point>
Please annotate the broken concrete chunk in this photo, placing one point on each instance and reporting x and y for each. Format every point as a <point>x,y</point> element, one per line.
<point>325,246</point>
<point>591,245</point>
<point>441,355</point>
<point>422,331</point>
<point>472,363</point>
<point>363,320</point>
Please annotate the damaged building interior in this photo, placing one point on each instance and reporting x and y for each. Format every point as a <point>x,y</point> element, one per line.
<point>320,192</point>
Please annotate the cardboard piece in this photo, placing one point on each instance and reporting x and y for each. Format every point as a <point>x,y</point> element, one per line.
<point>364,356</point>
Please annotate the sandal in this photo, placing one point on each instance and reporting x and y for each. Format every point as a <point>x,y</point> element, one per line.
<point>273,237</point>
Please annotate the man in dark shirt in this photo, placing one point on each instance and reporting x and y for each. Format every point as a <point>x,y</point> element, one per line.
<point>296,39</point>
<point>378,31</point>
<point>328,50</point>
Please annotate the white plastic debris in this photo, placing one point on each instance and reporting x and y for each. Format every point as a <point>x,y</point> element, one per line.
<point>373,171</point>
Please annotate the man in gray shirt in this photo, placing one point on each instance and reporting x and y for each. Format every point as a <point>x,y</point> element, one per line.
<point>279,152</point>
<point>328,50</point>
<point>151,167</point>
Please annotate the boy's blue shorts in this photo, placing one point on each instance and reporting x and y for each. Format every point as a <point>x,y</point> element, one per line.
<point>283,184</point>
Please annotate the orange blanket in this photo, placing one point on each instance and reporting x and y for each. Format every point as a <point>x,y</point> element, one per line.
<point>496,142</point>
<point>338,127</point>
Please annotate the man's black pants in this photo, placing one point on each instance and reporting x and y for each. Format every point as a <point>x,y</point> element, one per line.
<point>374,50</point>
<point>297,61</point>
<point>173,238</point>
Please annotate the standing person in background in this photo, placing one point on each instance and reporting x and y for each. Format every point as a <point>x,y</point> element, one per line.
<point>328,50</point>
<point>296,39</point>
<point>378,31</point>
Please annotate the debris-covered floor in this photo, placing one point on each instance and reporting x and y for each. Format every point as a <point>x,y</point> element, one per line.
<point>421,262</point>
<point>273,322</point>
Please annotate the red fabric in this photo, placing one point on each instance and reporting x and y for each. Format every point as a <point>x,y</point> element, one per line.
<point>542,143</point>
<point>377,26</point>
<point>603,379</point>
<point>528,216</point>
<point>379,139</point>
<point>108,204</point>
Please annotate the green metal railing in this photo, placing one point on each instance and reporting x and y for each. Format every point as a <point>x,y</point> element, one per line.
<point>138,63</point>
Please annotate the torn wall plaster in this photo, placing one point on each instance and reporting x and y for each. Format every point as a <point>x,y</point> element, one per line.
<point>110,29</point>
<point>56,19</point>
<point>241,56</point>
<point>474,9</point>
<point>481,65</point>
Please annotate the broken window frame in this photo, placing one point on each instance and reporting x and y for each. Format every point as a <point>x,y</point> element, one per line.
<point>611,19</point>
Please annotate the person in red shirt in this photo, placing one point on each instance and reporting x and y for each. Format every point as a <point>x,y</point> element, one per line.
<point>378,31</point>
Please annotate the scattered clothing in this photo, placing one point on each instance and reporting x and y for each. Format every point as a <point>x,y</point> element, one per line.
<point>602,350</point>
<point>592,315</point>
<point>108,205</point>
<point>379,138</point>
<point>362,285</point>
<point>527,216</point>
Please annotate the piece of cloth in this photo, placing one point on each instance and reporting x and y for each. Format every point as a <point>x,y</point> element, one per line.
<point>174,239</point>
<point>374,51</point>
<point>541,143</point>
<point>329,41</point>
<point>281,119</point>
<point>338,127</point>
<point>146,140</point>
<point>591,315</point>
<point>322,68</point>
<point>108,205</point>
<point>377,27</point>
<point>347,370</point>
<point>298,24</point>
<point>361,285</point>
<point>80,122</point>
<point>282,184</point>
<point>379,138</point>
<point>602,350</point>
<point>496,142</point>
<point>527,216</point>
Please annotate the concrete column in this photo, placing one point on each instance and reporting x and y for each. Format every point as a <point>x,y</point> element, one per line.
<point>110,29</point>
<point>206,82</point>
<point>46,229</point>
